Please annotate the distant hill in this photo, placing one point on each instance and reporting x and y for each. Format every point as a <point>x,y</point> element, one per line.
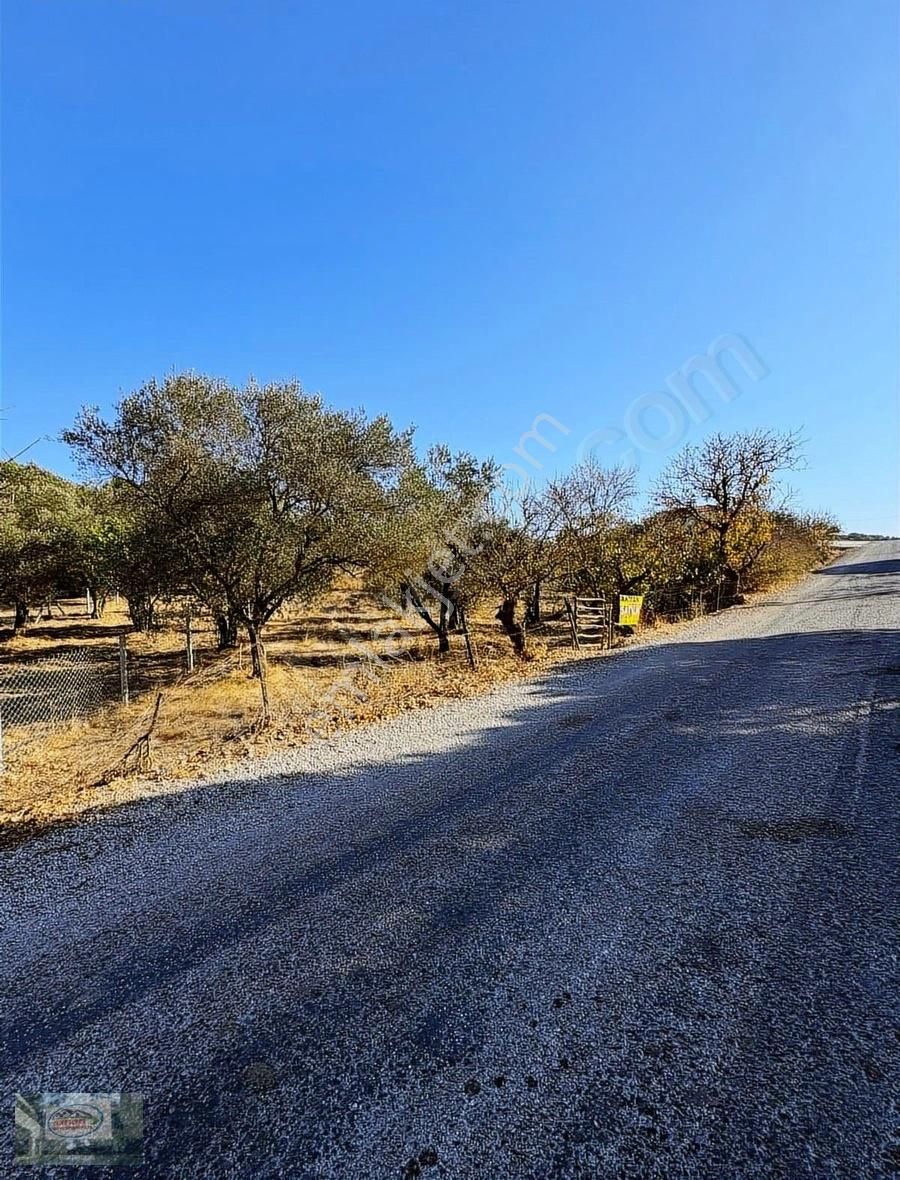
<point>866,537</point>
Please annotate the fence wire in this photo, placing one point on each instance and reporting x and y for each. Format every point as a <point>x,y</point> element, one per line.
<point>43,695</point>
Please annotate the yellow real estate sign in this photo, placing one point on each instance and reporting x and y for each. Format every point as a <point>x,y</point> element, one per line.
<point>630,609</point>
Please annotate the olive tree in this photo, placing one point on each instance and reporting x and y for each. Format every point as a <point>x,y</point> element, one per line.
<point>433,537</point>
<point>37,508</point>
<point>96,534</point>
<point>517,550</point>
<point>264,491</point>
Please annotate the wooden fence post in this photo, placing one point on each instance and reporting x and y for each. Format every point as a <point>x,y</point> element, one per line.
<point>470,650</point>
<point>573,623</point>
<point>123,667</point>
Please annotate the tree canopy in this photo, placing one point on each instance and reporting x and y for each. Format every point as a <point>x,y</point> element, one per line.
<point>238,499</point>
<point>262,492</point>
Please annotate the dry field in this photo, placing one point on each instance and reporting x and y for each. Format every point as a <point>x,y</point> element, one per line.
<point>209,719</point>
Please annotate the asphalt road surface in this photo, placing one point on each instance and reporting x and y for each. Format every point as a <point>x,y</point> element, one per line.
<point>635,919</point>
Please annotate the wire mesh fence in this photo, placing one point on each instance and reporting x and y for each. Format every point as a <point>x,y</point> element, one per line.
<point>46,693</point>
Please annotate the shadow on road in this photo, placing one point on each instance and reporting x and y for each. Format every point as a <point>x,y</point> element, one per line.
<point>630,720</point>
<point>888,566</point>
<point>645,790</point>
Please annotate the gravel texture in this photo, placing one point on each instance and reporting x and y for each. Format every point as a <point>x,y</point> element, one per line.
<point>633,919</point>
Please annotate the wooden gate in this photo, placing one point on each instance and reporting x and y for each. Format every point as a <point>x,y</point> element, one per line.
<point>591,620</point>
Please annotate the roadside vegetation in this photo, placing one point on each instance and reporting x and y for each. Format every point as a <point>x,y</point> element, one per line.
<point>328,573</point>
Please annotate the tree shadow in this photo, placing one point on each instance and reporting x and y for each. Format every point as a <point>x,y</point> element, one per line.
<point>617,797</point>
<point>64,631</point>
<point>887,566</point>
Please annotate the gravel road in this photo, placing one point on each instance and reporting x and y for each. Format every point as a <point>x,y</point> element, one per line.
<point>633,919</point>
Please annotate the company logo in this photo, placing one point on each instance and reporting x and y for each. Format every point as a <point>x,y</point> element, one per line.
<point>79,1128</point>
<point>74,1122</point>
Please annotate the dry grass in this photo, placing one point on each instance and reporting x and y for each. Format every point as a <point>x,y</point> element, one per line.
<point>209,719</point>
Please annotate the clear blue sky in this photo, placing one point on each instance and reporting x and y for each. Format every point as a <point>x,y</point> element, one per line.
<point>462,214</point>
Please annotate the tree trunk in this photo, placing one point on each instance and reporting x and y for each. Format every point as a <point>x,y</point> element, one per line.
<point>21,619</point>
<point>511,624</point>
<point>259,671</point>
<point>533,614</point>
<point>96,604</point>
<point>448,611</point>
<point>442,631</point>
<point>140,611</point>
<point>731,584</point>
<point>226,631</point>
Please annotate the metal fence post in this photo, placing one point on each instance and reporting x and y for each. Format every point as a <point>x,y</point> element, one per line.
<point>123,667</point>
<point>189,642</point>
